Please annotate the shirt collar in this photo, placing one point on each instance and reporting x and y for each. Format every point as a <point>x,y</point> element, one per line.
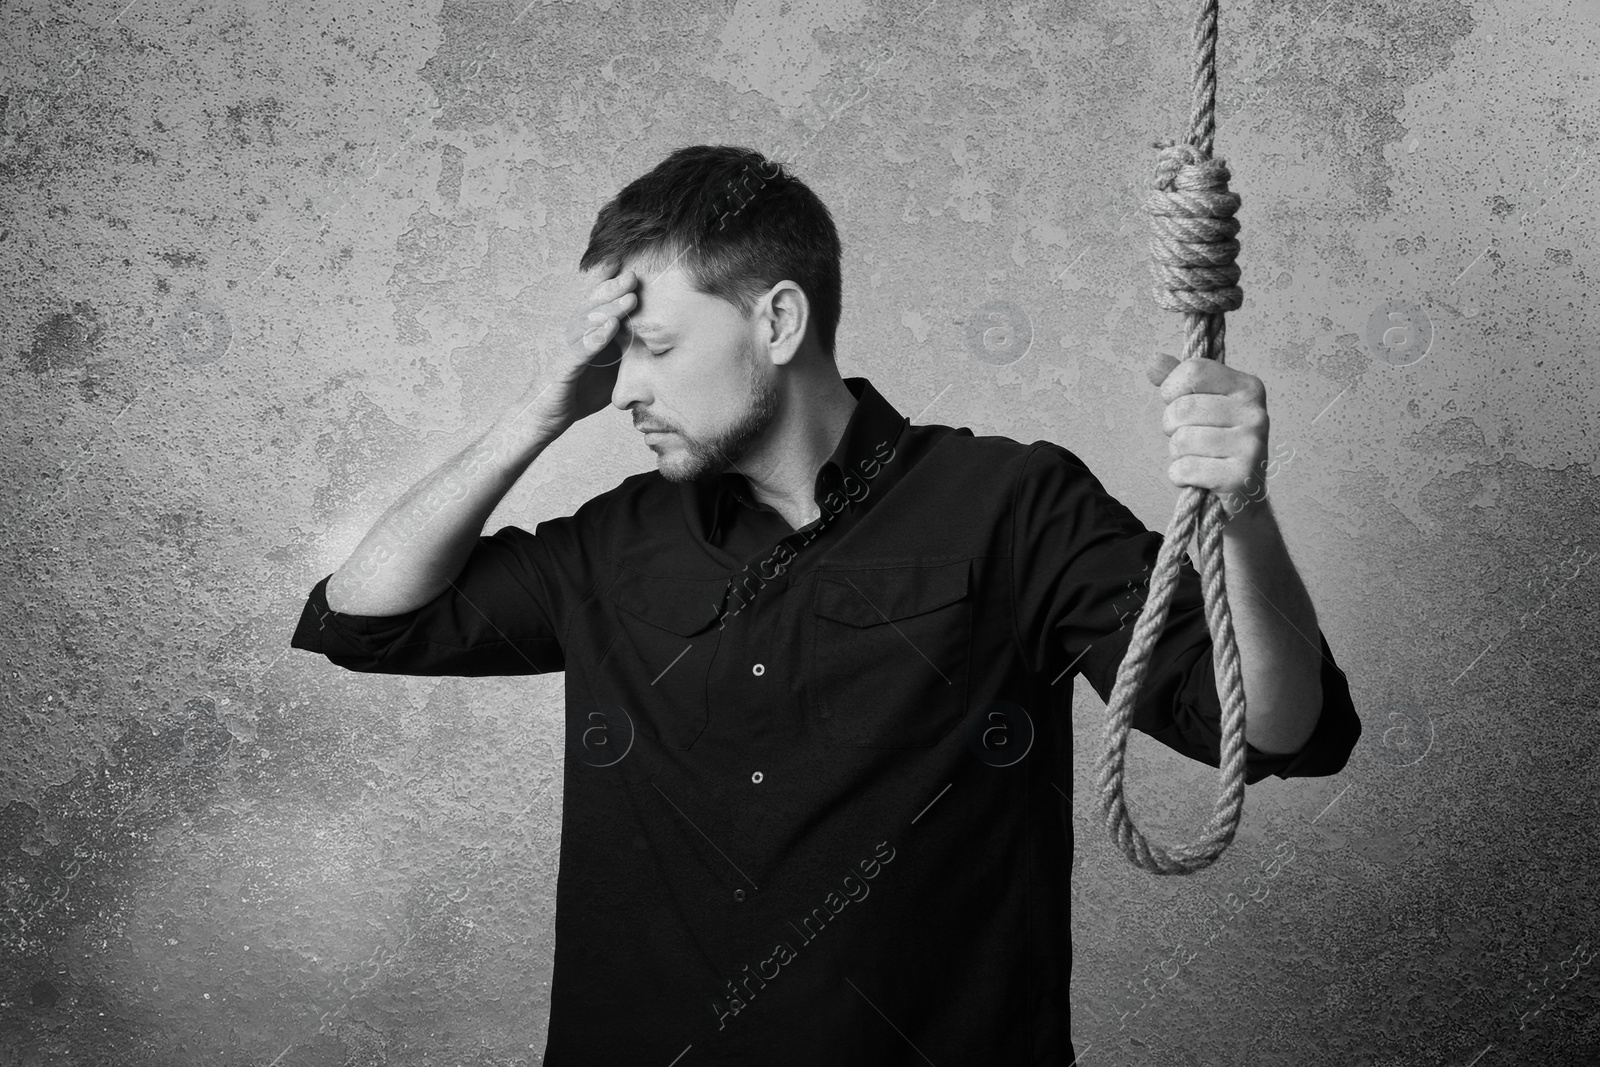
<point>873,421</point>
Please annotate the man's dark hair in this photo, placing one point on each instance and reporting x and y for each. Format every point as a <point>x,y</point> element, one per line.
<point>741,222</point>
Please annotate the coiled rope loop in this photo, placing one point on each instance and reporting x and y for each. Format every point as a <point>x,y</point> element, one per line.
<point>1193,251</point>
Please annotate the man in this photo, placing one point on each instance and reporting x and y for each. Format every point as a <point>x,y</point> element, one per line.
<point>819,663</point>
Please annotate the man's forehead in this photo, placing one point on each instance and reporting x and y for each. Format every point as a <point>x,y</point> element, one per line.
<point>656,268</point>
<point>659,289</point>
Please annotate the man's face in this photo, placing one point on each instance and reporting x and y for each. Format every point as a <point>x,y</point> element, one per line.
<point>691,366</point>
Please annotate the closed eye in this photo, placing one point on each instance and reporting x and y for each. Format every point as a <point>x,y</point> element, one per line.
<point>633,337</point>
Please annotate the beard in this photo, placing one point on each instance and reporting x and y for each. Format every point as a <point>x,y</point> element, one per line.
<point>722,451</point>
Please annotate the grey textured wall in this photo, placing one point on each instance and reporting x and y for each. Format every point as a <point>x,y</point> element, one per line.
<point>267,263</point>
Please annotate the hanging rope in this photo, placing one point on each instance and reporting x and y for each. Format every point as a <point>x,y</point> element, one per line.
<point>1193,253</point>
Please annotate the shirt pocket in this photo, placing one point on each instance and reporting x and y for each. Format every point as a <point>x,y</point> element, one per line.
<point>889,654</point>
<point>657,666</point>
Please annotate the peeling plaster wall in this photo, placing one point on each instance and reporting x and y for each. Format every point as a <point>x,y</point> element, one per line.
<point>267,263</point>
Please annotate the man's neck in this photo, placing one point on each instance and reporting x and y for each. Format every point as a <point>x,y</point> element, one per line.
<point>801,440</point>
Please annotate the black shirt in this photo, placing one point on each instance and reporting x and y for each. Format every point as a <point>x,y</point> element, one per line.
<point>815,786</point>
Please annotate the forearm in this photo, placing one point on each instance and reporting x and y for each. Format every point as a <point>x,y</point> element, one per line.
<point>419,546</point>
<point>1275,628</point>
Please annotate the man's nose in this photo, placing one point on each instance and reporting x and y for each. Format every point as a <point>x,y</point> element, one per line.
<point>629,389</point>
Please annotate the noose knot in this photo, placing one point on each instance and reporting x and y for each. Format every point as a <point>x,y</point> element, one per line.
<point>1193,246</point>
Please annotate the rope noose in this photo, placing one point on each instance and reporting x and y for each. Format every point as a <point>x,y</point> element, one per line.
<point>1193,252</point>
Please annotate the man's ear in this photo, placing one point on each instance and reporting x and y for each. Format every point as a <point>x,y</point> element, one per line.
<point>785,314</point>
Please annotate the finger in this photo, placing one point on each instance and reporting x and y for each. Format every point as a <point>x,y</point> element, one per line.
<point>1211,442</point>
<point>600,275</point>
<point>615,322</point>
<point>1201,409</point>
<point>1204,376</point>
<point>611,288</point>
<point>599,331</point>
<point>585,319</point>
<point>617,307</point>
<point>1159,367</point>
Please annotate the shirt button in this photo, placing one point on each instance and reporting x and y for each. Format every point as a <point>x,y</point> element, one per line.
<point>756,777</point>
<point>738,895</point>
<point>758,670</point>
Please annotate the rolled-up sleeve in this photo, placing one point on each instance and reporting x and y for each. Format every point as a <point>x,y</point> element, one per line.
<point>1082,562</point>
<point>502,615</point>
<point>1199,721</point>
